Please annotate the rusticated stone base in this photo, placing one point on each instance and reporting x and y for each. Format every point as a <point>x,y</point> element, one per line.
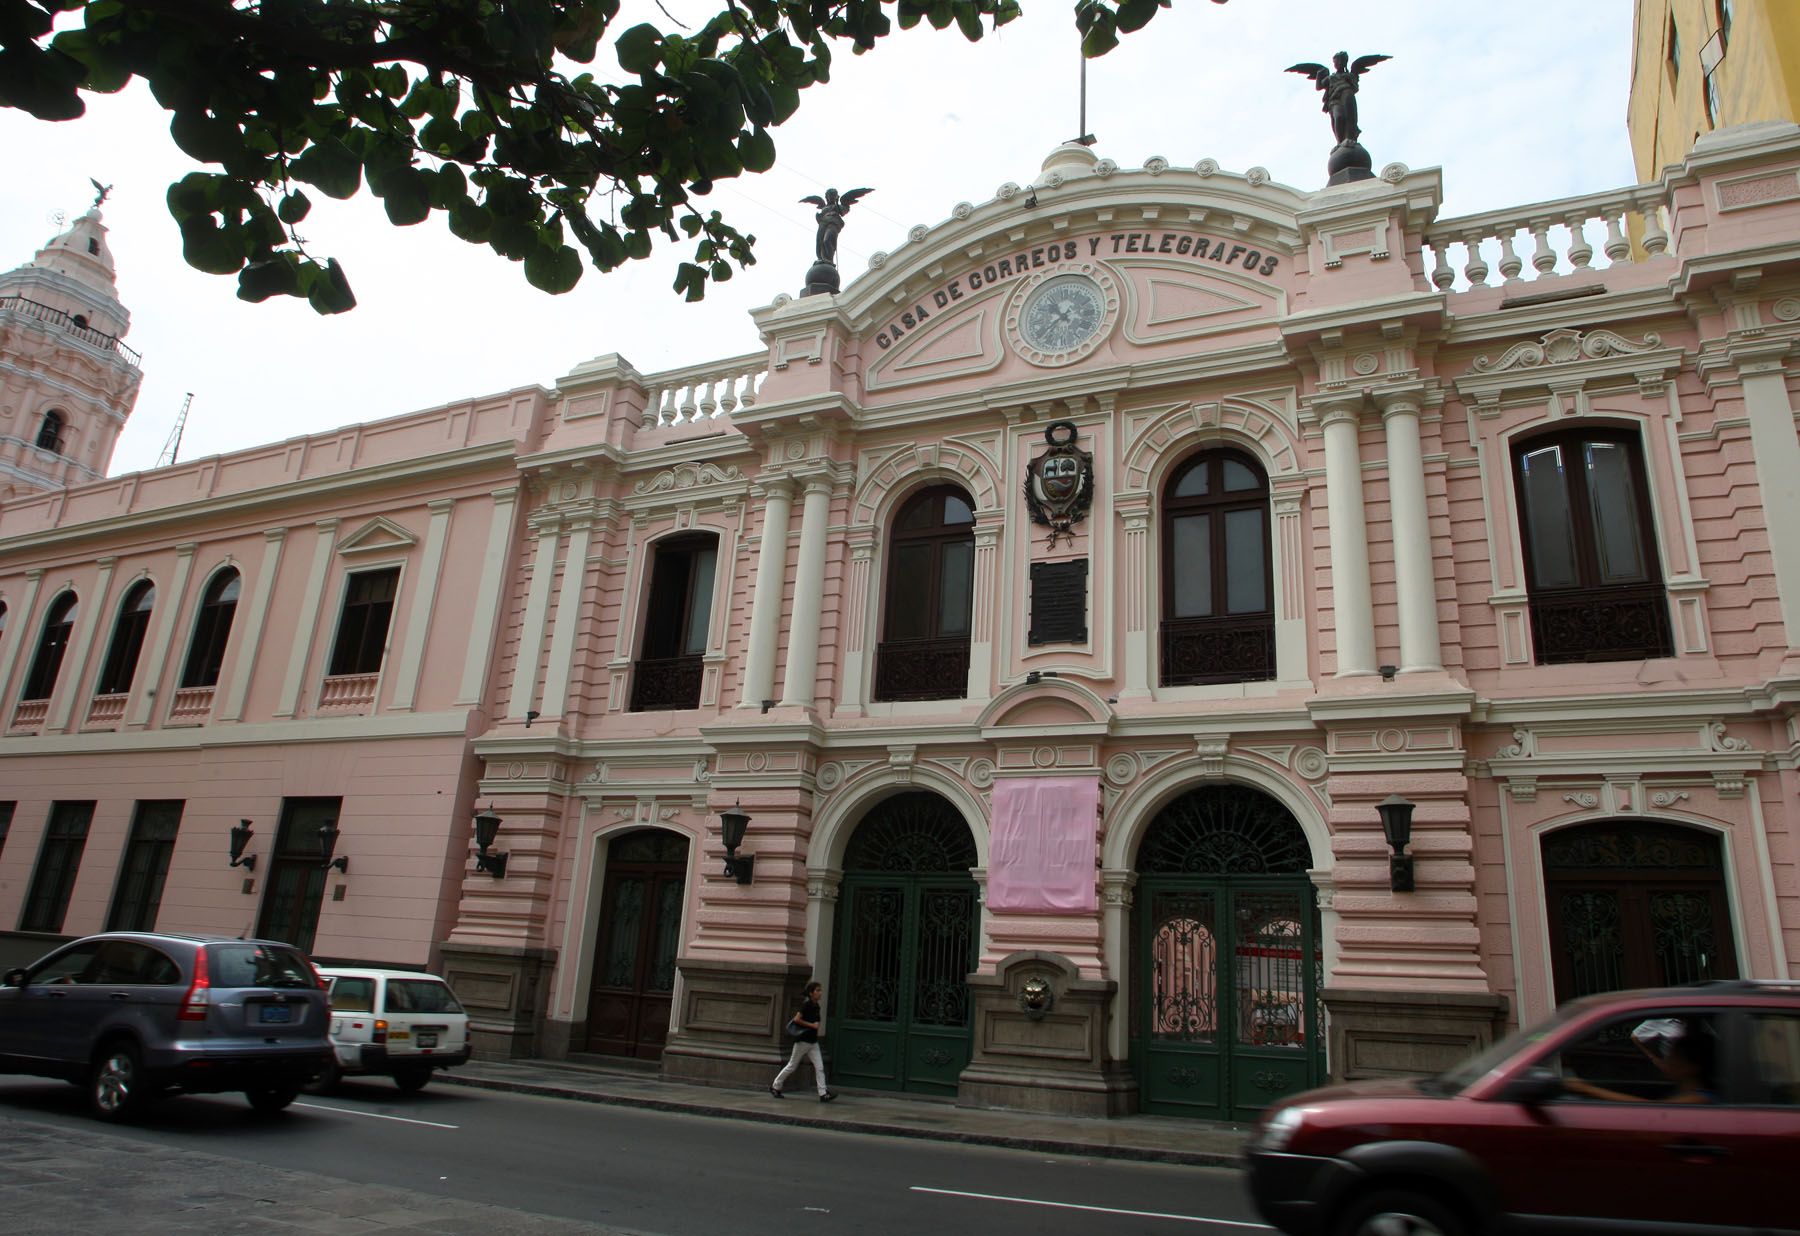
<point>1040,1041</point>
<point>503,989</point>
<point>1400,1033</point>
<point>731,1019</point>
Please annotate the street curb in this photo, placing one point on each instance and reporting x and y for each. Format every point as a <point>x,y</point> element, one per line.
<point>1045,1145</point>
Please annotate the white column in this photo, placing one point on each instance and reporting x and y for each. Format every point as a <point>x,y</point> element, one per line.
<point>249,638</point>
<point>568,618</point>
<point>531,630</point>
<point>69,681</point>
<point>765,607</point>
<point>424,602</point>
<point>1352,604</point>
<point>20,617</point>
<point>309,618</point>
<point>1762,371</point>
<point>169,604</point>
<point>485,612</point>
<point>809,596</point>
<point>1420,644</point>
<point>1116,887</point>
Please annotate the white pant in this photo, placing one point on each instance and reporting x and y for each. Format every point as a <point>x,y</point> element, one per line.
<point>804,1051</point>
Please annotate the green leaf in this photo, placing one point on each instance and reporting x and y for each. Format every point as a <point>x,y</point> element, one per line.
<point>639,49</point>
<point>294,207</point>
<point>274,276</point>
<point>757,150</point>
<point>330,293</point>
<point>331,167</point>
<point>470,221</point>
<point>553,270</point>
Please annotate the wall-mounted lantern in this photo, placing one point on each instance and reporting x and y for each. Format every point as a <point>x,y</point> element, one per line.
<point>731,827</point>
<point>240,837</point>
<point>487,827</point>
<point>1396,824</point>
<point>328,839</point>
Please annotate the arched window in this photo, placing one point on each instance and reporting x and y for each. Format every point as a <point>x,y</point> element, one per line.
<point>127,640</point>
<point>1590,560</point>
<point>50,433</point>
<point>206,651</point>
<point>924,650</point>
<point>58,623</point>
<point>1218,612</point>
<point>677,618</point>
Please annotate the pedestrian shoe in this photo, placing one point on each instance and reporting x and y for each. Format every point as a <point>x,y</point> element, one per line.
<point>774,1093</point>
<point>828,1096</point>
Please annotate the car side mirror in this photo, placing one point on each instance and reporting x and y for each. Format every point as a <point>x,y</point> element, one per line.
<point>14,978</point>
<point>1535,1085</point>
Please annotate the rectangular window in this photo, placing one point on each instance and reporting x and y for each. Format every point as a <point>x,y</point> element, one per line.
<point>1674,49</point>
<point>955,600</point>
<point>1775,1059</point>
<point>1246,567</point>
<point>6,815</point>
<point>363,627</point>
<point>295,885</point>
<point>146,866</point>
<point>1613,506</point>
<point>58,861</point>
<point>1548,526</point>
<point>699,615</point>
<point>909,614</point>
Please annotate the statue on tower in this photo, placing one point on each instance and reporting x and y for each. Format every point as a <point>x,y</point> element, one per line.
<point>1348,161</point>
<point>102,192</point>
<point>823,277</point>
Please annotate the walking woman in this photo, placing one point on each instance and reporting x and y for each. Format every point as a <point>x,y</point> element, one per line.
<point>806,1045</point>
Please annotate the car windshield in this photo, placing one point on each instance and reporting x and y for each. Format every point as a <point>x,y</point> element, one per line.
<point>420,996</point>
<point>1478,1066</point>
<point>258,965</point>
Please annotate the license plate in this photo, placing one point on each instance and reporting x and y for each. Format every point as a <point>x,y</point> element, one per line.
<point>275,1013</point>
<point>427,1040</point>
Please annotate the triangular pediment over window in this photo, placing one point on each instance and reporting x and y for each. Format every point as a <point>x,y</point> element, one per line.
<point>379,535</point>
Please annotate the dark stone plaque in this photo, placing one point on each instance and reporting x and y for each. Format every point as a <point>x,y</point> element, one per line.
<point>1059,602</point>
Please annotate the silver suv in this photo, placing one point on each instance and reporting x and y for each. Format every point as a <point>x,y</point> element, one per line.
<point>132,1015</point>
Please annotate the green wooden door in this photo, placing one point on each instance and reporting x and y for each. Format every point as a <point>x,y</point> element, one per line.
<point>1229,961</point>
<point>900,1013</point>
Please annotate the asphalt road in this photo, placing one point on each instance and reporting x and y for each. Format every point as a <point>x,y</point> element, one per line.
<point>668,1174</point>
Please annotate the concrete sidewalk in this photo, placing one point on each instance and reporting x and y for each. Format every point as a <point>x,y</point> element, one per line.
<point>1152,1138</point>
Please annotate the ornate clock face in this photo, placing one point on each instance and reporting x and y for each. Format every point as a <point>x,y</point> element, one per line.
<point>1062,314</point>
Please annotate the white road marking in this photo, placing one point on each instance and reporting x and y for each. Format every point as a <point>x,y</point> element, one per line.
<point>351,1111</point>
<point>1105,1210</point>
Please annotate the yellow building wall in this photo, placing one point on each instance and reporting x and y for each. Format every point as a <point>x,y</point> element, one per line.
<point>1758,79</point>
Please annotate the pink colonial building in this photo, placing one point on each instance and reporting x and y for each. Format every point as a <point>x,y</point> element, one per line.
<point>1157,640</point>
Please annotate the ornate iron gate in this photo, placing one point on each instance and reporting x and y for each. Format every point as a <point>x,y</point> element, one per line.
<point>1229,958</point>
<point>900,1011</point>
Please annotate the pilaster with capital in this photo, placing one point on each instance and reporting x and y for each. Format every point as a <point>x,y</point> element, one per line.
<point>74,668</point>
<point>1420,641</point>
<point>1352,603</point>
<point>262,588</point>
<point>857,591</point>
<point>777,498</point>
<point>1762,369</point>
<point>157,649</point>
<point>986,604</point>
<point>537,608</point>
<point>14,635</point>
<point>1117,889</point>
<point>568,620</point>
<point>1134,595</point>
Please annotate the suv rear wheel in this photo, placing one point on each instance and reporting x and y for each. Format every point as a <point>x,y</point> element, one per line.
<point>1399,1212</point>
<point>410,1080</point>
<point>115,1088</point>
<point>270,1099</point>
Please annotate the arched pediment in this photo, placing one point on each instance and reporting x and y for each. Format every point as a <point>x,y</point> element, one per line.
<point>1050,702</point>
<point>888,476</point>
<point>1157,437</point>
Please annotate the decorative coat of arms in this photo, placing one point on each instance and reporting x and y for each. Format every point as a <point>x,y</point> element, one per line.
<point>1059,484</point>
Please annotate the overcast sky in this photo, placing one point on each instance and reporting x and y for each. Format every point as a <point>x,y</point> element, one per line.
<point>1518,110</point>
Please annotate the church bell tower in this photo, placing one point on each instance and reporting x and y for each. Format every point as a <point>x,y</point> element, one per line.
<point>67,383</point>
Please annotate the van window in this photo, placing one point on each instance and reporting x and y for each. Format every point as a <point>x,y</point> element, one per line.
<point>352,995</point>
<point>258,965</point>
<point>420,996</point>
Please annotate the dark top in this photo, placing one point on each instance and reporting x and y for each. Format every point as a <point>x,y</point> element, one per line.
<point>809,1012</point>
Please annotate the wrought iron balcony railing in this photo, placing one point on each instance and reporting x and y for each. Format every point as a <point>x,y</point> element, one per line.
<point>666,683</point>
<point>1601,624</point>
<point>1236,648</point>
<point>922,669</point>
<point>56,317</point>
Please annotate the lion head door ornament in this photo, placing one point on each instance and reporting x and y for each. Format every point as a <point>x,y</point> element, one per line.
<point>1036,998</point>
<point>1059,484</point>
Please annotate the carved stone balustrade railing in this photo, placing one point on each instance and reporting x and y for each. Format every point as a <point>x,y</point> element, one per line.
<point>1551,238</point>
<point>106,709</point>
<point>30,714</point>
<point>348,693</point>
<point>703,392</point>
<point>191,705</point>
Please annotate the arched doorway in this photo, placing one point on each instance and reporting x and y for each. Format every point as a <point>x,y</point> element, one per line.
<point>639,933</point>
<point>1633,903</point>
<point>900,1013</point>
<point>1228,957</point>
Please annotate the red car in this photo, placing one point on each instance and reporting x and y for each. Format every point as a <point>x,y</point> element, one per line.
<point>1671,1111</point>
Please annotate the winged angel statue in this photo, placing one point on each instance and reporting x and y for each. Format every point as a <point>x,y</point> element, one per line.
<point>1338,84</point>
<point>830,218</point>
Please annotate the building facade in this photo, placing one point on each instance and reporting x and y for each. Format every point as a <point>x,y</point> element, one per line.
<point>1167,639</point>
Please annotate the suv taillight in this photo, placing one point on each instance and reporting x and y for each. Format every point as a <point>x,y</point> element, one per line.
<point>324,983</point>
<point>380,1031</point>
<point>199,992</point>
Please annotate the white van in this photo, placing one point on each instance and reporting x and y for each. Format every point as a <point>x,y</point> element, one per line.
<point>400,1023</point>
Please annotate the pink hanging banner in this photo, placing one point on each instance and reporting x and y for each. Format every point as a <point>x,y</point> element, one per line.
<point>1042,854</point>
